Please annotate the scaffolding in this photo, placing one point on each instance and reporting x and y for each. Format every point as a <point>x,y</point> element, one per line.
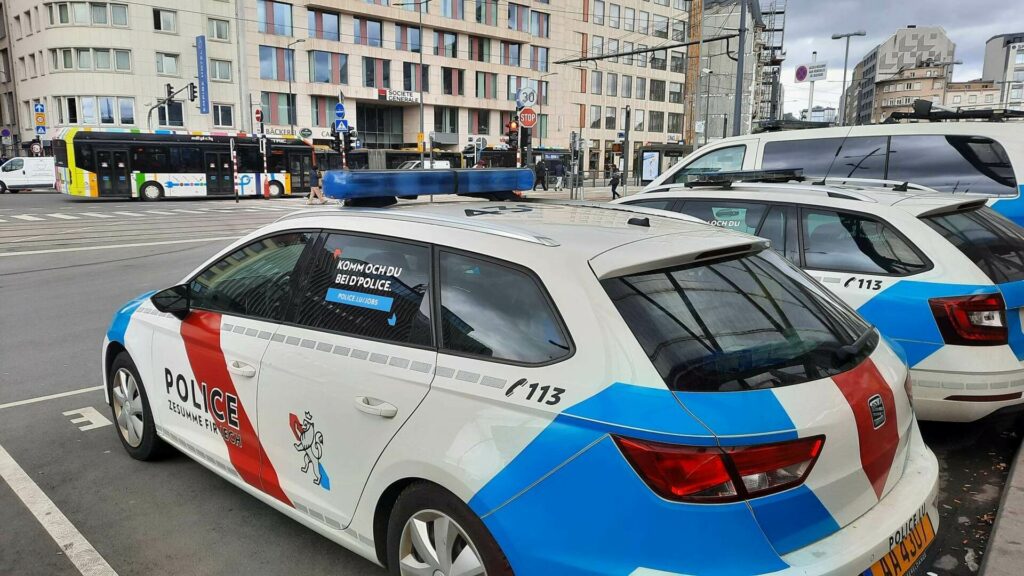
<point>771,53</point>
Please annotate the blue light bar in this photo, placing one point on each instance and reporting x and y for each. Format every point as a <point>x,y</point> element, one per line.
<point>351,184</point>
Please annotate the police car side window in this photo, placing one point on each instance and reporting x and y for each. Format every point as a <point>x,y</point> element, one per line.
<point>845,242</point>
<point>368,287</point>
<point>741,216</point>
<point>721,160</point>
<point>774,229</point>
<point>496,311</point>
<point>254,280</point>
<point>657,204</point>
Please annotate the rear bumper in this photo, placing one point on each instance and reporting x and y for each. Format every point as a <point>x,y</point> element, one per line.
<point>965,397</point>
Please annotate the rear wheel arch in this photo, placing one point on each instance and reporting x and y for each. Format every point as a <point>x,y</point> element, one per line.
<point>113,349</point>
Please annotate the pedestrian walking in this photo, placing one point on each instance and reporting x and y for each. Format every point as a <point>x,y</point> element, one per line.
<point>541,173</point>
<point>616,178</point>
<point>559,176</point>
<point>315,192</point>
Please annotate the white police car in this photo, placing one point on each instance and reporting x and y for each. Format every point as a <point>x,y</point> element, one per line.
<point>940,275</point>
<point>471,388</point>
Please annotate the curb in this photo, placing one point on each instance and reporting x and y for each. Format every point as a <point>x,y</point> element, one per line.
<point>1005,553</point>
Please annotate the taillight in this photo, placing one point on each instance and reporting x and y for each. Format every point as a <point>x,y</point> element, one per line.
<point>717,475</point>
<point>971,320</point>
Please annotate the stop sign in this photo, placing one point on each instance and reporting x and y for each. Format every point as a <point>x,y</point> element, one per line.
<point>527,117</point>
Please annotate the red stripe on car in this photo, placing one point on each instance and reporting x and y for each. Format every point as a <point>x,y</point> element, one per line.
<point>877,445</point>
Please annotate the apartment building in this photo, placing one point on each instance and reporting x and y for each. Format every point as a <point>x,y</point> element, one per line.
<point>898,91</point>
<point>972,95</point>
<point>1004,66</point>
<point>8,112</point>
<point>107,64</point>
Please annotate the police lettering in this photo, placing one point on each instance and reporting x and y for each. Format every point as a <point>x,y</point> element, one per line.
<point>214,401</point>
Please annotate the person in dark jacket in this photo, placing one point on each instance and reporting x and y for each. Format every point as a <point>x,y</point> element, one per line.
<point>541,173</point>
<point>315,192</point>
<point>616,179</point>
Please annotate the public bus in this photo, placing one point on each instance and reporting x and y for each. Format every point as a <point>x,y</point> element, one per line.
<point>165,164</point>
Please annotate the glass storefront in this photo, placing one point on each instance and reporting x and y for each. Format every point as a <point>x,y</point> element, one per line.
<point>379,126</point>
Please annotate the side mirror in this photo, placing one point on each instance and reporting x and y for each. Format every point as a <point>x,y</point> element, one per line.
<point>174,300</point>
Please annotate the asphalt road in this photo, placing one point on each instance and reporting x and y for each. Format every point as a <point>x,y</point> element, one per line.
<point>66,266</point>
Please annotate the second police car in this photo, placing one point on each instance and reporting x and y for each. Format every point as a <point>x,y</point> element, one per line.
<point>470,388</point>
<point>941,275</point>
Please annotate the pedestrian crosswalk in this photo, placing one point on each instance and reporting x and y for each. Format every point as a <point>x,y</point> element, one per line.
<point>96,215</point>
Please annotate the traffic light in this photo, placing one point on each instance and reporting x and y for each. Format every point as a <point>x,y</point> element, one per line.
<point>170,91</point>
<point>513,132</point>
<point>193,92</point>
<point>348,137</point>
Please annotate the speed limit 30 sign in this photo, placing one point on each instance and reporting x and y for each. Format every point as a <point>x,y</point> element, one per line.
<point>527,118</point>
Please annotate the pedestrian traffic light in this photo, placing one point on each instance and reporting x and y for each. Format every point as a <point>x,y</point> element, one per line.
<point>193,92</point>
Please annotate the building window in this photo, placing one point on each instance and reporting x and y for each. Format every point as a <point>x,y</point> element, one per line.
<point>1019,59</point>
<point>480,121</point>
<point>486,12</point>
<point>486,85</point>
<point>628,17</point>
<point>596,45</point>
<point>596,82</point>
<point>84,59</point>
<point>408,38</point>
<point>223,115</point>
<point>598,14</point>
<point>657,93</point>
<point>479,49</point>
<point>613,84</point>
<point>170,114</point>
<point>99,16</point>
<point>452,81</point>
<point>274,17</point>
<point>453,9</point>
<point>956,99</point>
<point>219,29</point>
<point>166,64</point>
<point>220,70</point>
<point>612,48</point>
<point>675,93</point>
<point>323,25</point>
<point>539,60</point>
<point>595,116</point>
<point>641,58</point>
<point>413,6</point>
<point>518,17</point>
<point>679,31</point>
<point>989,98</point>
<point>278,108</point>
<point>409,77</point>
<point>677,61</point>
<point>276,63</point>
<point>328,67</point>
<point>510,54</point>
<point>972,99</point>
<point>376,72</point>
<point>675,123</point>
<point>638,120</point>
<point>367,32</point>
<point>446,119</point>
<point>627,58</point>
<point>123,60</point>
<point>119,17</point>
<point>659,59</point>
<point>539,24</point>
<point>626,87</point>
<point>641,88</point>
<point>126,110</point>
<point>165,20</point>
<point>101,58</point>
<point>656,122</point>
<point>609,117</point>
<point>446,44</point>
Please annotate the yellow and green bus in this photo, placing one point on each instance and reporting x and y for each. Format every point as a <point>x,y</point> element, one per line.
<point>111,163</point>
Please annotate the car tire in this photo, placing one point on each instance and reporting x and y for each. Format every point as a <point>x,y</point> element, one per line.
<point>276,189</point>
<point>130,407</point>
<point>151,191</point>
<point>3,188</point>
<point>423,508</point>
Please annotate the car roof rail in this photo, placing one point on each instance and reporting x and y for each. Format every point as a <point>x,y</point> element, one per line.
<point>728,178</point>
<point>502,230</point>
<point>812,188</point>
<point>896,185</point>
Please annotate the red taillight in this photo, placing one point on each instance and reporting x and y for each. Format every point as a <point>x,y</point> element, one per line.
<point>716,475</point>
<point>971,320</point>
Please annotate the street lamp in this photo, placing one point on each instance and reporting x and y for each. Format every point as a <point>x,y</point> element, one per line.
<point>292,105</point>
<point>419,72</point>
<point>846,61</point>
<point>707,100</point>
<point>540,113</point>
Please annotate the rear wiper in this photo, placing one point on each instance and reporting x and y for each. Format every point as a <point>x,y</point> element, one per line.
<point>844,353</point>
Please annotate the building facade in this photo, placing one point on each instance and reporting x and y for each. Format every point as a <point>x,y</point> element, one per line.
<point>820,114</point>
<point>897,92</point>
<point>108,64</point>
<point>972,95</point>
<point>8,110</point>
<point>1004,66</point>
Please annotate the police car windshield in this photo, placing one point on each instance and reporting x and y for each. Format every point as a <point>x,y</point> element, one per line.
<point>739,324</point>
<point>992,242</point>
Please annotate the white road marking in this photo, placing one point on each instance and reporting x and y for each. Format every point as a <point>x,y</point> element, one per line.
<point>128,213</point>
<point>27,217</point>
<point>187,211</point>
<point>160,212</point>
<point>115,247</point>
<point>89,416</point>
<point>68,538</point>
<point>63,216</point>
<point>96,214</point>
<point>50,397</point>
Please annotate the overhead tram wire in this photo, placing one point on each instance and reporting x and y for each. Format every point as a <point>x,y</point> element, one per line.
<point>645,50</point>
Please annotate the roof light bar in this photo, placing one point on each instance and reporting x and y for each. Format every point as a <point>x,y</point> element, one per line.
<point>726,179</point>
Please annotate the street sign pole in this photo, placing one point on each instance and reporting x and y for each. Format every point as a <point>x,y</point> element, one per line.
<point>339,124</point>
<point>234,164</point>
<point>626,153</point>
<point>810,98</point>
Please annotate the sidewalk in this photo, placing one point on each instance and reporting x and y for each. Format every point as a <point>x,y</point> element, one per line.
<point>1005,555</point>
<point>598,194</point>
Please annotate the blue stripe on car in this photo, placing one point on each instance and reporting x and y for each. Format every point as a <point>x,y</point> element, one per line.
<point>752,412</point>
<point>119,325</point>
<point>776,514</point>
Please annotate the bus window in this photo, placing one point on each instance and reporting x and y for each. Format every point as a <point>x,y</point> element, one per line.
<point>60,153</point>
<point>185,159</point>
<point>250,159</point>
<point>952,164</point>
<point>83,156</point>
<point>149,158</point>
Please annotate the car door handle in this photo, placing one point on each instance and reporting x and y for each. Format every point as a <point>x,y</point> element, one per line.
<point>376,407</point>
<point>241,368</point>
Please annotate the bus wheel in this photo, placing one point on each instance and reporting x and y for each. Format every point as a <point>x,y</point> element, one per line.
<point>276,190</point>
<point>151,191</point>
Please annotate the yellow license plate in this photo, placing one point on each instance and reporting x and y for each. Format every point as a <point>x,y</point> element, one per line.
<point>904,555</point>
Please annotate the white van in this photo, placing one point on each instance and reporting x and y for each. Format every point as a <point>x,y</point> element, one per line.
<point>430,164</point>
<point>979,157</point>
<point>27,172</point>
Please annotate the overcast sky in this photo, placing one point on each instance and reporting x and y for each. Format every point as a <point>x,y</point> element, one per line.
<point>811,23</point>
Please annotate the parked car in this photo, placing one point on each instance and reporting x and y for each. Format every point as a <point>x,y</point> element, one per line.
<point>27,172</point>
<point>955,157</point>
<point>494,388</point>
<point>940,275</point>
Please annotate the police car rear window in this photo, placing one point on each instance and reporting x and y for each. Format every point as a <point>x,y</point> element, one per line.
<point>740,324</point>
<point>992,242</point>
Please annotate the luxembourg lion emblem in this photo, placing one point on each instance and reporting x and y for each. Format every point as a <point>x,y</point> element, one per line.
<point>310,442</point>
